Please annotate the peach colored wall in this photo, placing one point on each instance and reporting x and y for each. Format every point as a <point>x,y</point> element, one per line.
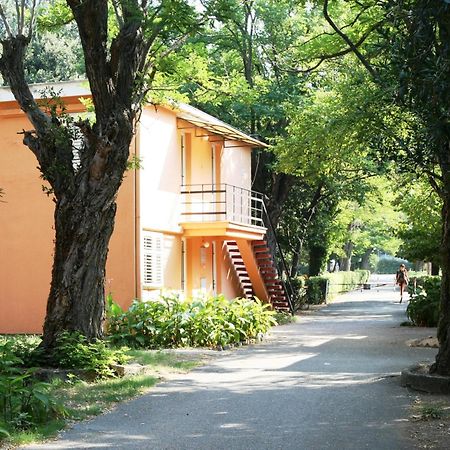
<point>159,189</point>
<point>236,165</point>
<point>160,174</point>
<point>26,237</point>
<point>199,267</point>
<point>201,161</point>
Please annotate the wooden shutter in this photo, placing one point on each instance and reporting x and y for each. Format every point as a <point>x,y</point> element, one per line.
<point>152,253</point>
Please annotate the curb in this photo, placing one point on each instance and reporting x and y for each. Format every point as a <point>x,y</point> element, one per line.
<point>418,378</point>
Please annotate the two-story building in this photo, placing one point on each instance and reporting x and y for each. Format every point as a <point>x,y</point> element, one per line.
<point>187,219</point>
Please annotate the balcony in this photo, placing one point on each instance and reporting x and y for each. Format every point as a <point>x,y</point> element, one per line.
<point>221,203</point>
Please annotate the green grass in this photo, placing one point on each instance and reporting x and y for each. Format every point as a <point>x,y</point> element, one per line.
<point>431,410</point>
<point>84,400</point>
<point>163,360</point>
<point>284,318</point>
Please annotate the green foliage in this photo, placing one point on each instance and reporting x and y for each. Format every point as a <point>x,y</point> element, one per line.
<point>421,231</point>
<point>23,347</point>
<point>171,322</point>
<point>74,351</point>
<point>322,288</point>
<point>298,284</point>
<point>283,317</point>
<point>424,305</point>
<point>25,402</point>
<point>317,290</point>
<point>389,264</point>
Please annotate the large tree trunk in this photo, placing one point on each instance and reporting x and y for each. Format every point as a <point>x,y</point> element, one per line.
<point>317,255</point>
<point>346,261</point>
<point>442,364</point>
<point>77,297</point>
<point>435,268</point>
<point>365,263</point>
<point>84,195</point>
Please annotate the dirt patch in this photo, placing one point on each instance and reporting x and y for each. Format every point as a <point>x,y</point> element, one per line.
<point>429,423</point>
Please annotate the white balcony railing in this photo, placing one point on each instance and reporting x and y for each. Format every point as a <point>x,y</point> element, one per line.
<point>221,202</point>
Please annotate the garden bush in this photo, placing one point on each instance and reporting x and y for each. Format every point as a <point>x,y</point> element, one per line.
<point>22,347</point>
<point>423,307</point>
<point>321,288</point>
<point>298,284</point>
<point>317,290</point>
<point>25,402</point>
<point>74,351</point>
<point>172,322</point>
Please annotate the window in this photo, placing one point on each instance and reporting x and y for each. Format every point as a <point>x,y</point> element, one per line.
<point>152,255</point>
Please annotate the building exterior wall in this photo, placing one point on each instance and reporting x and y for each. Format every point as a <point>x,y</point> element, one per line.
<point>159,193</point>
<point>149,201</point>
<point>27,234</point>
<point>236,165</point>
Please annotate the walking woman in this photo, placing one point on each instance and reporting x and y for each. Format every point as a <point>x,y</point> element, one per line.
<point>402,279</point>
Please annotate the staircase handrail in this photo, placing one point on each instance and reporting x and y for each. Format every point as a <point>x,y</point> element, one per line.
<point>289,293</point>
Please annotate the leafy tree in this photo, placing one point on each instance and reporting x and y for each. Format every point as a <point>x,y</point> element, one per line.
<point>405,50</point>
<point>122,53</point>
<point>421,231</point>
<point>368,225</point>
<point>55,56</point>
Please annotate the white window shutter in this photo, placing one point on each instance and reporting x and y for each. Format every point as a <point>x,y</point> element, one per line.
<point>152,255</point>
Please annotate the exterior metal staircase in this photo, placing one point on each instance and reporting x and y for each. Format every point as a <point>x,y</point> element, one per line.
<point>240,269</point>
<point>274,286</point>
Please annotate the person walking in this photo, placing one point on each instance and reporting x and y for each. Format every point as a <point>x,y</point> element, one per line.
<point>402,279</point>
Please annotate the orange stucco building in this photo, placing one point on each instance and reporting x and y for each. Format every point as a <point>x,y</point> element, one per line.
<point>187,220</point>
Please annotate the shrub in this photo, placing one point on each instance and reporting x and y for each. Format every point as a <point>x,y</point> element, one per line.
<point>317,290</point>
<point>298,284</point>
<point>321,288</point>
<point>23,347</point>
<point>423,307</point>
<point>24,401</point>
<point>172,322</point>
<point>74,351</point>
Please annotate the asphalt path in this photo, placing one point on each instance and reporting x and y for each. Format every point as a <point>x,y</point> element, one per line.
<point>329,381</point>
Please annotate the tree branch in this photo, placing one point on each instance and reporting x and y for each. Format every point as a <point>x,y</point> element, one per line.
<point>5,22</point>
<point>91,17</point>
<point>349,42</point>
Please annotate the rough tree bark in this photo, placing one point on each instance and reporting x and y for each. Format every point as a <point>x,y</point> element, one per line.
<point>84,197</point>
<point>346,261</point>
<point>442,364</point>
<point>365,262</point>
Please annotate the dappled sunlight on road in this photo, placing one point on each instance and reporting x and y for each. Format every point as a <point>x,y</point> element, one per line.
<point>328,381</point>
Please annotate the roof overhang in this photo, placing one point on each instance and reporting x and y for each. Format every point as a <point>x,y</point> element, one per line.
<point>72,91</point>
<point>210,123</point>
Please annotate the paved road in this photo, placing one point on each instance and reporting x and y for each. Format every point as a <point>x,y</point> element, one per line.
<point>328,382</point>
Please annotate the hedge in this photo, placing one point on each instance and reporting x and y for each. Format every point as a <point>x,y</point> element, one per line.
<point>321,288</point>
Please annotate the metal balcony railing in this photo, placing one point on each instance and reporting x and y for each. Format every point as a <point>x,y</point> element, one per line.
<point>221,202</point>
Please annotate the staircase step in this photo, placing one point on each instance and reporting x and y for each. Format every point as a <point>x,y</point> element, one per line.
<point>278,298</point>
<point>259,250</point>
